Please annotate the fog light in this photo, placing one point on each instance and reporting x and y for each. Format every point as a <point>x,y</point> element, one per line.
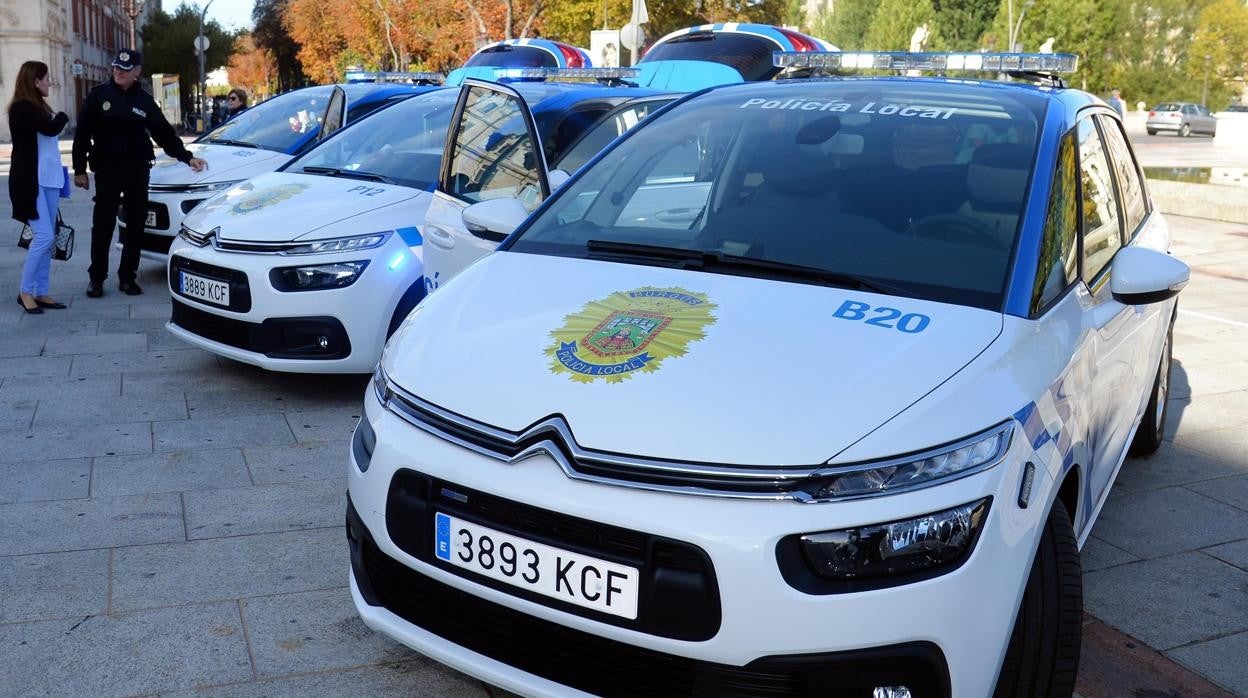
<point>890,692</point>
<point>317,277</point>
<point>913,545</point>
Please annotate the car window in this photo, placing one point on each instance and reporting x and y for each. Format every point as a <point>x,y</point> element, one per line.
<point>1187,109</point>
<point>513,57</point>
<point>749,54</point>
<point>604,132</point>
<point>493,155</point>
<point>1130,186</point>
<point>1102,235</point>
<point>278,123</point>
<point>920,189</point>
<point>1166,106</point>
<point>401,144</point>
<point>1059,263</point>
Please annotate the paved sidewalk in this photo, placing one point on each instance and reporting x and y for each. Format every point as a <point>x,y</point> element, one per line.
<point>173,522</point>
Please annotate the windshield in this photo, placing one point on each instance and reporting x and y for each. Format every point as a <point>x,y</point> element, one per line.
<point>749,54</point>
<point>400,145</point>
<point>277,124</point>
<point>913,186</point>
<point>513,57</point>
<point>1167,106</point>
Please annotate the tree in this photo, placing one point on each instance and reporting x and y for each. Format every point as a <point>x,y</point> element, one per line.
<point>253,69</point>
<point>896,20</point>
<point>1219,52</point>
<point>963,22</point>
<point>169,46</point>
<point>270,35</point>
<point>846,23</point>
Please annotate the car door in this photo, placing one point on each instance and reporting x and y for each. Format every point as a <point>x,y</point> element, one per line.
<point>1109,324</point>
<point>493,150</point>
<point>335,113</point>
<point>1207,120</point>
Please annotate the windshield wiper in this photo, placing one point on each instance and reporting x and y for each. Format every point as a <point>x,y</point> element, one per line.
<point>227,141</point>
<point>718,262</point>
<point>349,174</point>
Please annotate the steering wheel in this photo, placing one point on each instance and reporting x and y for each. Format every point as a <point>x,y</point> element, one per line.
<point>952,227</point>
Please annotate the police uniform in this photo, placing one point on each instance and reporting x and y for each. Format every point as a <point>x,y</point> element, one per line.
<point>113,137</point>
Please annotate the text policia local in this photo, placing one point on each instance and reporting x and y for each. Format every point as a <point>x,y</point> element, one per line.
<point>922,112</point>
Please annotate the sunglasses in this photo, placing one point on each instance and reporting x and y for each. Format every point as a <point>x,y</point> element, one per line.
<point>232,99</point>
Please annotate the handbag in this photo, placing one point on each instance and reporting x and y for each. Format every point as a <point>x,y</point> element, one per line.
<point>62,246</point>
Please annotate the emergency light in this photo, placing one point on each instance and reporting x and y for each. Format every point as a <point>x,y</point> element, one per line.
<point>940,62</point>
<point>424,78</point>
<point>567,73</point>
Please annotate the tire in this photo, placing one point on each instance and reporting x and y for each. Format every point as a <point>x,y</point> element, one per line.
<point>1152,132</point>
<point>1042,659</point>
<point>1152,425</point>
<point>1185,131</point>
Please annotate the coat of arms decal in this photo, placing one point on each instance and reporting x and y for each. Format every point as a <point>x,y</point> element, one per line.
<point>628,331</point>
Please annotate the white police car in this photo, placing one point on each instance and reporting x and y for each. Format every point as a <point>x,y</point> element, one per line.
<point>830,413</point>
<point>259,140</point>
<point>311,268</point>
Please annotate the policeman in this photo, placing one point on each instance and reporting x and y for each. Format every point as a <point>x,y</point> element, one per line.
<point>113,137</point>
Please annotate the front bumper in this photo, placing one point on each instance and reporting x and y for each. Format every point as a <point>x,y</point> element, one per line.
<point>948,632</point>
<point>338,330</point>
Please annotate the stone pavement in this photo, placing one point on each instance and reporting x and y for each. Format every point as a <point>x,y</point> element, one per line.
<point>172,522</point>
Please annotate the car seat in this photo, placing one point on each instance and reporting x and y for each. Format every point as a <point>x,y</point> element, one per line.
<point>996,181</point>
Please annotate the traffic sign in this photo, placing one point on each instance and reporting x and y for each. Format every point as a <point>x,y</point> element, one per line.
<point>201,43</point>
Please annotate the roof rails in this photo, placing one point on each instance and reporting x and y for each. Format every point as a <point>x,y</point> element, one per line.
<point>1036,67</point>
<point>424,78</point>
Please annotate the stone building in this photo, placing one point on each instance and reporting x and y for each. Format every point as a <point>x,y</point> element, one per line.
<point>76,38</point>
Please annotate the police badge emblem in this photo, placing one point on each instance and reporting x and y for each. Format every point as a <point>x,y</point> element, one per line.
<point>264,198</point>
<point>106,105</point>
<point>628,331</point>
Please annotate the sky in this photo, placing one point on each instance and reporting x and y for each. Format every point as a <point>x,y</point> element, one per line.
<point>230,14</point>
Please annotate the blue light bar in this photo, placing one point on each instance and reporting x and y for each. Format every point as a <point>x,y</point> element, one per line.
<point>940,62</point>
<point>387,76</point>
<point>568,73</point>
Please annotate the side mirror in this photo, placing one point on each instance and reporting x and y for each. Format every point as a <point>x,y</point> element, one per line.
<point>1141,276</point>
<point>494,219</point>
<point>556,179</point>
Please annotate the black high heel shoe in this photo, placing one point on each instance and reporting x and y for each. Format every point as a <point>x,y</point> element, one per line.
<point>33,311</point>
<point>53,305</point>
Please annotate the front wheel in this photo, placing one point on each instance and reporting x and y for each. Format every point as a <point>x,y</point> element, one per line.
<point>1185,131</point>
<point>1153,422</point>
<point>1042,659</point>
<point>1152,132</point>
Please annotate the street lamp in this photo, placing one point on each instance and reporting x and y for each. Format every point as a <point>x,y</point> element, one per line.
<point>1204,95</point>
<point>201,47</point>
<point>1015,27</point>
<point>133,8</point>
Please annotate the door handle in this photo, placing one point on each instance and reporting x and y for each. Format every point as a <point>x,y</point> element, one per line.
<point>440,237</point>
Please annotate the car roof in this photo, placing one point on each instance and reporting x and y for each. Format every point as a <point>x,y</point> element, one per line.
<point>766,31</point>
<point>370,91</point>
<point>553,96</point>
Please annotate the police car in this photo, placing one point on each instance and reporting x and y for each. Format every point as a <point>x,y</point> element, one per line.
<point>718,54</point>
<point>311,268</point>
<point>259,140</point>
<point>805,387</point>
<point>519,53</point>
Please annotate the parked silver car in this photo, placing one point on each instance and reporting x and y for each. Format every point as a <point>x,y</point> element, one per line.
<point>1183,118</point>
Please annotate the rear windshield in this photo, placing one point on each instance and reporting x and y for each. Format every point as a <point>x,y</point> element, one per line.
<point>915,186</point>
<point>1168,106</point>
<point>277,124</point>
<point>513,57</point>
<point>399,145</point>
<point>750,55</point>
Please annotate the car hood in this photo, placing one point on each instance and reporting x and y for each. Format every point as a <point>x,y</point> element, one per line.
<point>285,206</point>
<point>746,371</point>
<point>225,163</point>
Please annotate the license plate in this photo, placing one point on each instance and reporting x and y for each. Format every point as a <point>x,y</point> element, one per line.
<point>204,289</point>
<point>578,579</point>
<point>151,218</point>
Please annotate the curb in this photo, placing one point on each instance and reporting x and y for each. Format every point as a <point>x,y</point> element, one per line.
<point>1113,663</point>
<point>1211,201</point>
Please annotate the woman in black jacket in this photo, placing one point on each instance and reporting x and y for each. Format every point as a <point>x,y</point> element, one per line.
<point>35,178</point>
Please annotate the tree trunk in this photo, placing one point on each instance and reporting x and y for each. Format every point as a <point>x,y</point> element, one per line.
<point>528,23</point>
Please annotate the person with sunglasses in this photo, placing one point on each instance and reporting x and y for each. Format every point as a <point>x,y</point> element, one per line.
<point>235,103</point>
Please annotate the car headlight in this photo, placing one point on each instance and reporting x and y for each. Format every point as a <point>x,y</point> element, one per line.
<point>317,277</point>
<point>363,442</point>
<point>919,544</point>
<point>381,385</point>
<point>965,457</point>
<point>351,244</point>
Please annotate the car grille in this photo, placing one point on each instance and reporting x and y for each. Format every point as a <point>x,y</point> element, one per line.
<point>679,596</point>
<point>606,667</point>
<point>554,437</point>
<point>276,338</point>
